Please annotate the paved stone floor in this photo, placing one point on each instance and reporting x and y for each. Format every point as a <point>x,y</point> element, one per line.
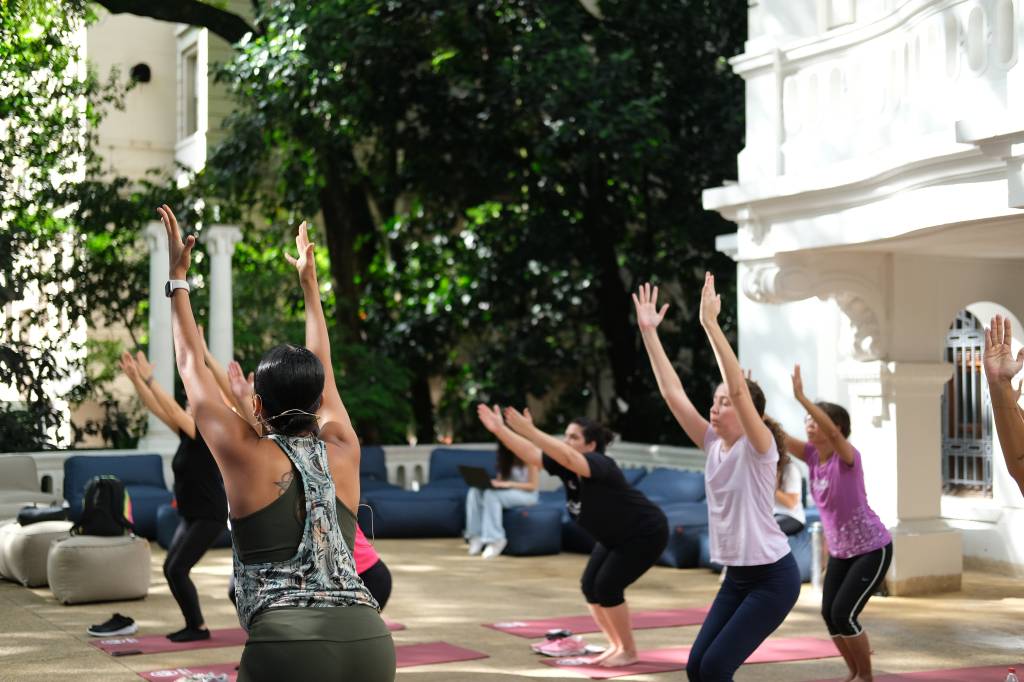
<point>442,594</point>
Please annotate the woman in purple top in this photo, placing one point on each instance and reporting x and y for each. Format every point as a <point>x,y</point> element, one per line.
<point>762,582</point>
<point>860,547</point>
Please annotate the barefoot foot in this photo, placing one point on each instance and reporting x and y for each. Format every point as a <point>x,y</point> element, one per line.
<point>604,655</point>
<point>620,659</point>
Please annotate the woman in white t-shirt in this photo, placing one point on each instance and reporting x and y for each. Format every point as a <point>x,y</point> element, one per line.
<point>789,507</point>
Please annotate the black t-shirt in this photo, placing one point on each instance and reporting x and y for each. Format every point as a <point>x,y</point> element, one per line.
<point>198,486</point>
<point>604,504</point>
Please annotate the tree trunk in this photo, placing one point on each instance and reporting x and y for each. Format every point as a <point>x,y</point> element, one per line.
<point>422,408</point>
<point>350,233</point>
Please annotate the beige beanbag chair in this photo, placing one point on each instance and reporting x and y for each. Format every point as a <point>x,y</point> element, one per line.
<point>89,568</point>
<point>23,550</point>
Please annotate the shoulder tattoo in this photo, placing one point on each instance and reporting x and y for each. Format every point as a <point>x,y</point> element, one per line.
<point>283,482</point>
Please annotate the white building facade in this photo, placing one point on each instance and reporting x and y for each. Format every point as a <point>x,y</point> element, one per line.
<point>879,224</point>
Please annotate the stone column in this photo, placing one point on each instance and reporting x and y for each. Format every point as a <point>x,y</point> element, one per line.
<point>903,469</point>
<point>158,437</point>
<point>220,245</point>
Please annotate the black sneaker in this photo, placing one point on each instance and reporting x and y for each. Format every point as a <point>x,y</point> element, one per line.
<point>117,625</point>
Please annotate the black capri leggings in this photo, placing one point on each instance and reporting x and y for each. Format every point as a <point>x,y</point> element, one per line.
<point>849,583</point>
<point>191,540</point>
<point>612,569</point>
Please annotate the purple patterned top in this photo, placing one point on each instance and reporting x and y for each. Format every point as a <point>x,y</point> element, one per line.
<point>851,527</point>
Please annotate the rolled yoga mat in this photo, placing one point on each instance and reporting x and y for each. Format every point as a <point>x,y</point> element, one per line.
<point>641,620</point>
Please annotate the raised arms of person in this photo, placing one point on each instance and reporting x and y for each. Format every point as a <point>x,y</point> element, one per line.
<point>220,374</point>
<point>492,420</point>
<point>335,423</point>
<point>1000,368</point>
<point>142,384</point>
<point>230,438</point>
<point>180,419</point>
<point>756,430</point>
<point>648,317</point>
<point>828,427</point>
<point>240,390</point>
<point>522,423</point>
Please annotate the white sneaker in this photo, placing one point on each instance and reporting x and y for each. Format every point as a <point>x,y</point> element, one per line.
<point>476,546</point>
<point>495,548</point>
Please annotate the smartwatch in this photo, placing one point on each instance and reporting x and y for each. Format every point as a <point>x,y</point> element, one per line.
<point>173,284</point>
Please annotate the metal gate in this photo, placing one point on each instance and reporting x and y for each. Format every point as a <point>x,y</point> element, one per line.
<point>966,411</point>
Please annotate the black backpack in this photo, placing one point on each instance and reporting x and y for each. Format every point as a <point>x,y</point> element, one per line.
<point>104,508</point>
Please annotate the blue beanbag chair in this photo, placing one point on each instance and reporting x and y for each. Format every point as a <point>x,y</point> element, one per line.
<point>533,530</point>
<point>666,486</point>
<point>686,522</point>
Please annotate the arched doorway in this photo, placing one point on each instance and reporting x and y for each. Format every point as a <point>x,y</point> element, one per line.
<point>966,412</point>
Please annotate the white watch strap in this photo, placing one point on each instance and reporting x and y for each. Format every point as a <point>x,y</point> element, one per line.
<point>178,284</point>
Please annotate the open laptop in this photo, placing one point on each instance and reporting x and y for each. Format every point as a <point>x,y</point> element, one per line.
<point>475,477</point>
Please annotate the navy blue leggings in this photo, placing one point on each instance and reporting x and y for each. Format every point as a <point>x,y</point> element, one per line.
<point>752,602</point>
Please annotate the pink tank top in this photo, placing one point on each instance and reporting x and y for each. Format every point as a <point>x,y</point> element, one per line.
<point>364,553</point>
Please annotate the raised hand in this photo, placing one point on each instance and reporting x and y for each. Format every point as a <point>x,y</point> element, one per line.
<point>202,337</point>
<point>240,387</point>
<point>490,417</point>
<point>179,252</point>
<point>145,369</point>
<point>798,384</point>
<point>710,301</point>
<point>128,366</point>
<point>1000,363</point>
<point>305,264</point>
<point>647,314</point>
<point>520,422</point>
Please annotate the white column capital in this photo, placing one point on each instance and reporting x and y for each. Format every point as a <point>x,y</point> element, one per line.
<point>880,384</point>
<point>156,236</point>
<point>221,239</point>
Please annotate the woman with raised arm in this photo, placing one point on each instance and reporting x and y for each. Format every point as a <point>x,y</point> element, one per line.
<point>308,614</point>
<point>742,446</point>
<point>198,491</point>
<point>630,530</point>
<point>859,545</point>
<point>374,573</point>
<point>1001,366</point>
<point>515,486</point>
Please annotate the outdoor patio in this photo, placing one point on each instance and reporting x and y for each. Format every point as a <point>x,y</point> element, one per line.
<point>442,594</point>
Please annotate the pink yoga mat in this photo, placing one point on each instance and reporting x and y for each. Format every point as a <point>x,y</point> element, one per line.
<point>407,655</point>
<point>992,672</point>
<point>158,644</point>
<point>674,658</point>
<point>642,620</point>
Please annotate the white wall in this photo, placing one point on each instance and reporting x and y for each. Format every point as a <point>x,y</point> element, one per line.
<point>142,136</point>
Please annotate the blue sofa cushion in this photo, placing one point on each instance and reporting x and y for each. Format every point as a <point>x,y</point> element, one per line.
<point>143,476</point>
<point>800,545</point>
<point>633,474</point>
<point>408,514</point>
<point>533,530</point>
<point>372,464</point>
<point>686,522</point>
<point>665,486</point>
<point>445,462</point>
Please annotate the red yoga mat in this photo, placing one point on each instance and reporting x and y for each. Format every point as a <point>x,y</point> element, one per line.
<point>642,620</point>
<point>992,672</point>
<point>674,658</point>
<point>158,644</point>
<point>407,655</point>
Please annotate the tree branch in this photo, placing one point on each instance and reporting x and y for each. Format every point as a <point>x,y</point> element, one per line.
<point>228,26</point>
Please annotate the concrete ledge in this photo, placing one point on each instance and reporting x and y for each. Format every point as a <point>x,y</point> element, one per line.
<point>924,584</point>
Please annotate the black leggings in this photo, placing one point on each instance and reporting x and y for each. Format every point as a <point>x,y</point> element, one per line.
<point>191,540</point>
<point>611,570</point>
<point>377,579</point>
<point>849,583</point>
